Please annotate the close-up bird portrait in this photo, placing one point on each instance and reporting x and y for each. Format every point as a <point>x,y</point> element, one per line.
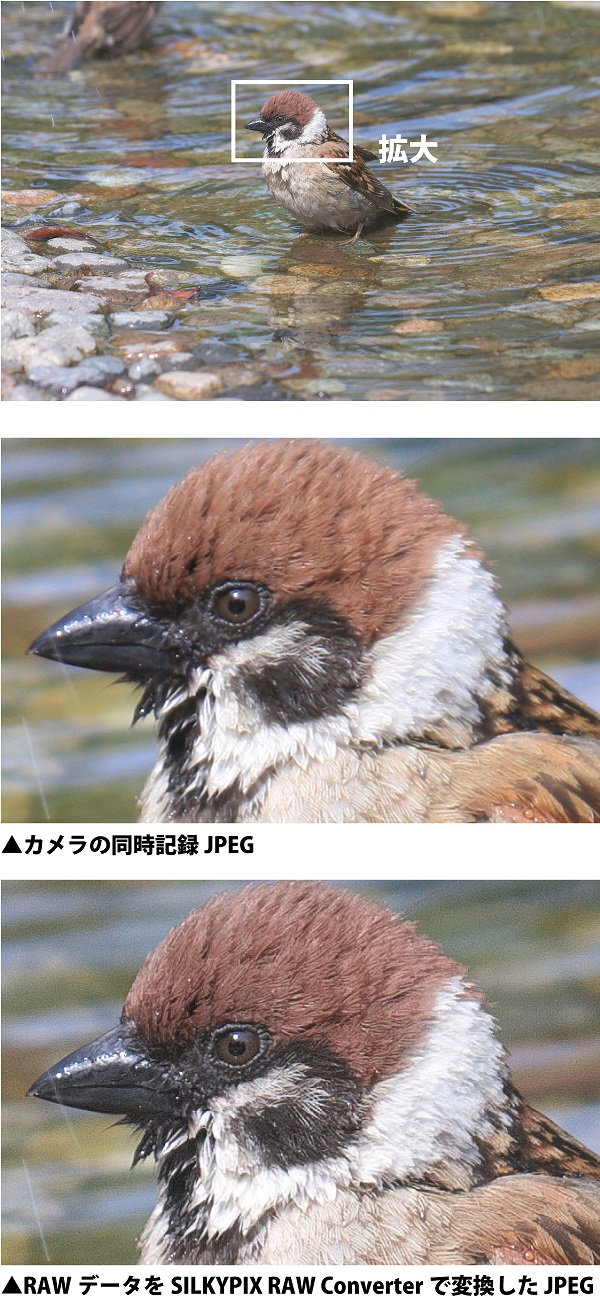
<point>299,201</point>
<point>310,1078</point>
<point>317,640</point>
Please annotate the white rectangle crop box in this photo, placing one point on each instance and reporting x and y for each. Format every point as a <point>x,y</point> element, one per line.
<point>271,82</point>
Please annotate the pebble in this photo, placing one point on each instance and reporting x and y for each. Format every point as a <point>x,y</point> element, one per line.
<point>145,345</point>
<point>166,277</point>
<point>145,368</point>
<point>33,298</point>
<point>17,278</point>
<point>258,393</point>
<point>177,362</point>
<point>240,375</point>
<point>194,385</point>
<point>316,388</point>
<point>16,392</point>
<point>123,386</point>
<point>18,353</point>
<point>92,321</point>
<point>32,219</point>
<point>116,176</point>
<point>140,320</point>
<point>243,265</point>
<point>134,276</point>
<point>418,325</point>
<point>560,314</point>
<point>215,352</point>
<point>88,394</point>
<point>69,209</point>
<point>80,261</point>
<point>69,245</point>
<point>592,323</point>
<point>24,393</point>
<point>30,198</point>
<point>64,379</point>
<point>60,345</point>
<point>17,256</point>
<point>163,303</point>
<point>144,393</point>
<point>16,325</point>
<point>114,291</point>
<point>287,285</point>
<point>58,379</point>
<point>564,293</point>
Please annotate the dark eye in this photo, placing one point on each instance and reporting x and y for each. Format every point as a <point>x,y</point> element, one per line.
<point>237,1046</point>
<point>237,603</point>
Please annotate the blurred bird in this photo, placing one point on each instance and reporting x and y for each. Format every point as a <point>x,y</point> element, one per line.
<point>304,167</point>
<point>320,642</point>
<point>318,1084</point>
<point>102,27</point>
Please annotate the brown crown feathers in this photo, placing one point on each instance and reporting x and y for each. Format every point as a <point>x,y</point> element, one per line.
<point>319,522</point>
<point>319,964</point>
<point>290,104</point>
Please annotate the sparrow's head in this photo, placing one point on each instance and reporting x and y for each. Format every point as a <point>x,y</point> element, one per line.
<point>288,598</point>
<point>289,118</point>
<point>288,1040</point>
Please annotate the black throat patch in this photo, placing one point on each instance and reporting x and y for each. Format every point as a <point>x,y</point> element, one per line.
<point>187,1238</point>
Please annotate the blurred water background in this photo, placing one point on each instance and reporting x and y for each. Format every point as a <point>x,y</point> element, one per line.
<point>71,949</point>
<point>72,507</point>
<point>489,291</point>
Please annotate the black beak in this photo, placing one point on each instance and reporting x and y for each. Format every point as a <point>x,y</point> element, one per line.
<point>259,124</point>
<point>115,1074</point>
<point>114,632</point>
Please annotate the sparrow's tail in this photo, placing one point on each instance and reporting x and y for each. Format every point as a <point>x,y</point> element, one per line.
<point>401,208</point>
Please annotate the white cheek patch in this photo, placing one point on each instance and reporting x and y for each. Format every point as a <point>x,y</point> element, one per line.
<point>264,649</point>
<point>263,1092</point>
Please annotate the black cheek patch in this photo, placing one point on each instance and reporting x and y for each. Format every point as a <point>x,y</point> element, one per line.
<point>315,1119</point>
<point>317,679</point>
<point>291,130</point>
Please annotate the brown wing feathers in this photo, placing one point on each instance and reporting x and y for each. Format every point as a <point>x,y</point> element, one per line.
<point>548,1149</point>
<point>358,177</point>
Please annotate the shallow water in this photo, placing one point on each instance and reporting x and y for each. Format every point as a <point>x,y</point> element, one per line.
<point>72,948</point>
<point>72,507</point>
<point>489,291</point>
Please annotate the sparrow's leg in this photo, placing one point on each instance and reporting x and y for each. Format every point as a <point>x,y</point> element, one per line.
<point>355,237</point>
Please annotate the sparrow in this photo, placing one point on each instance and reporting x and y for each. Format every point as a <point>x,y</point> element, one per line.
<point>320,642</point>
<point>99,27</point>
<point>319,1084</point>
<point>329,195</point>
